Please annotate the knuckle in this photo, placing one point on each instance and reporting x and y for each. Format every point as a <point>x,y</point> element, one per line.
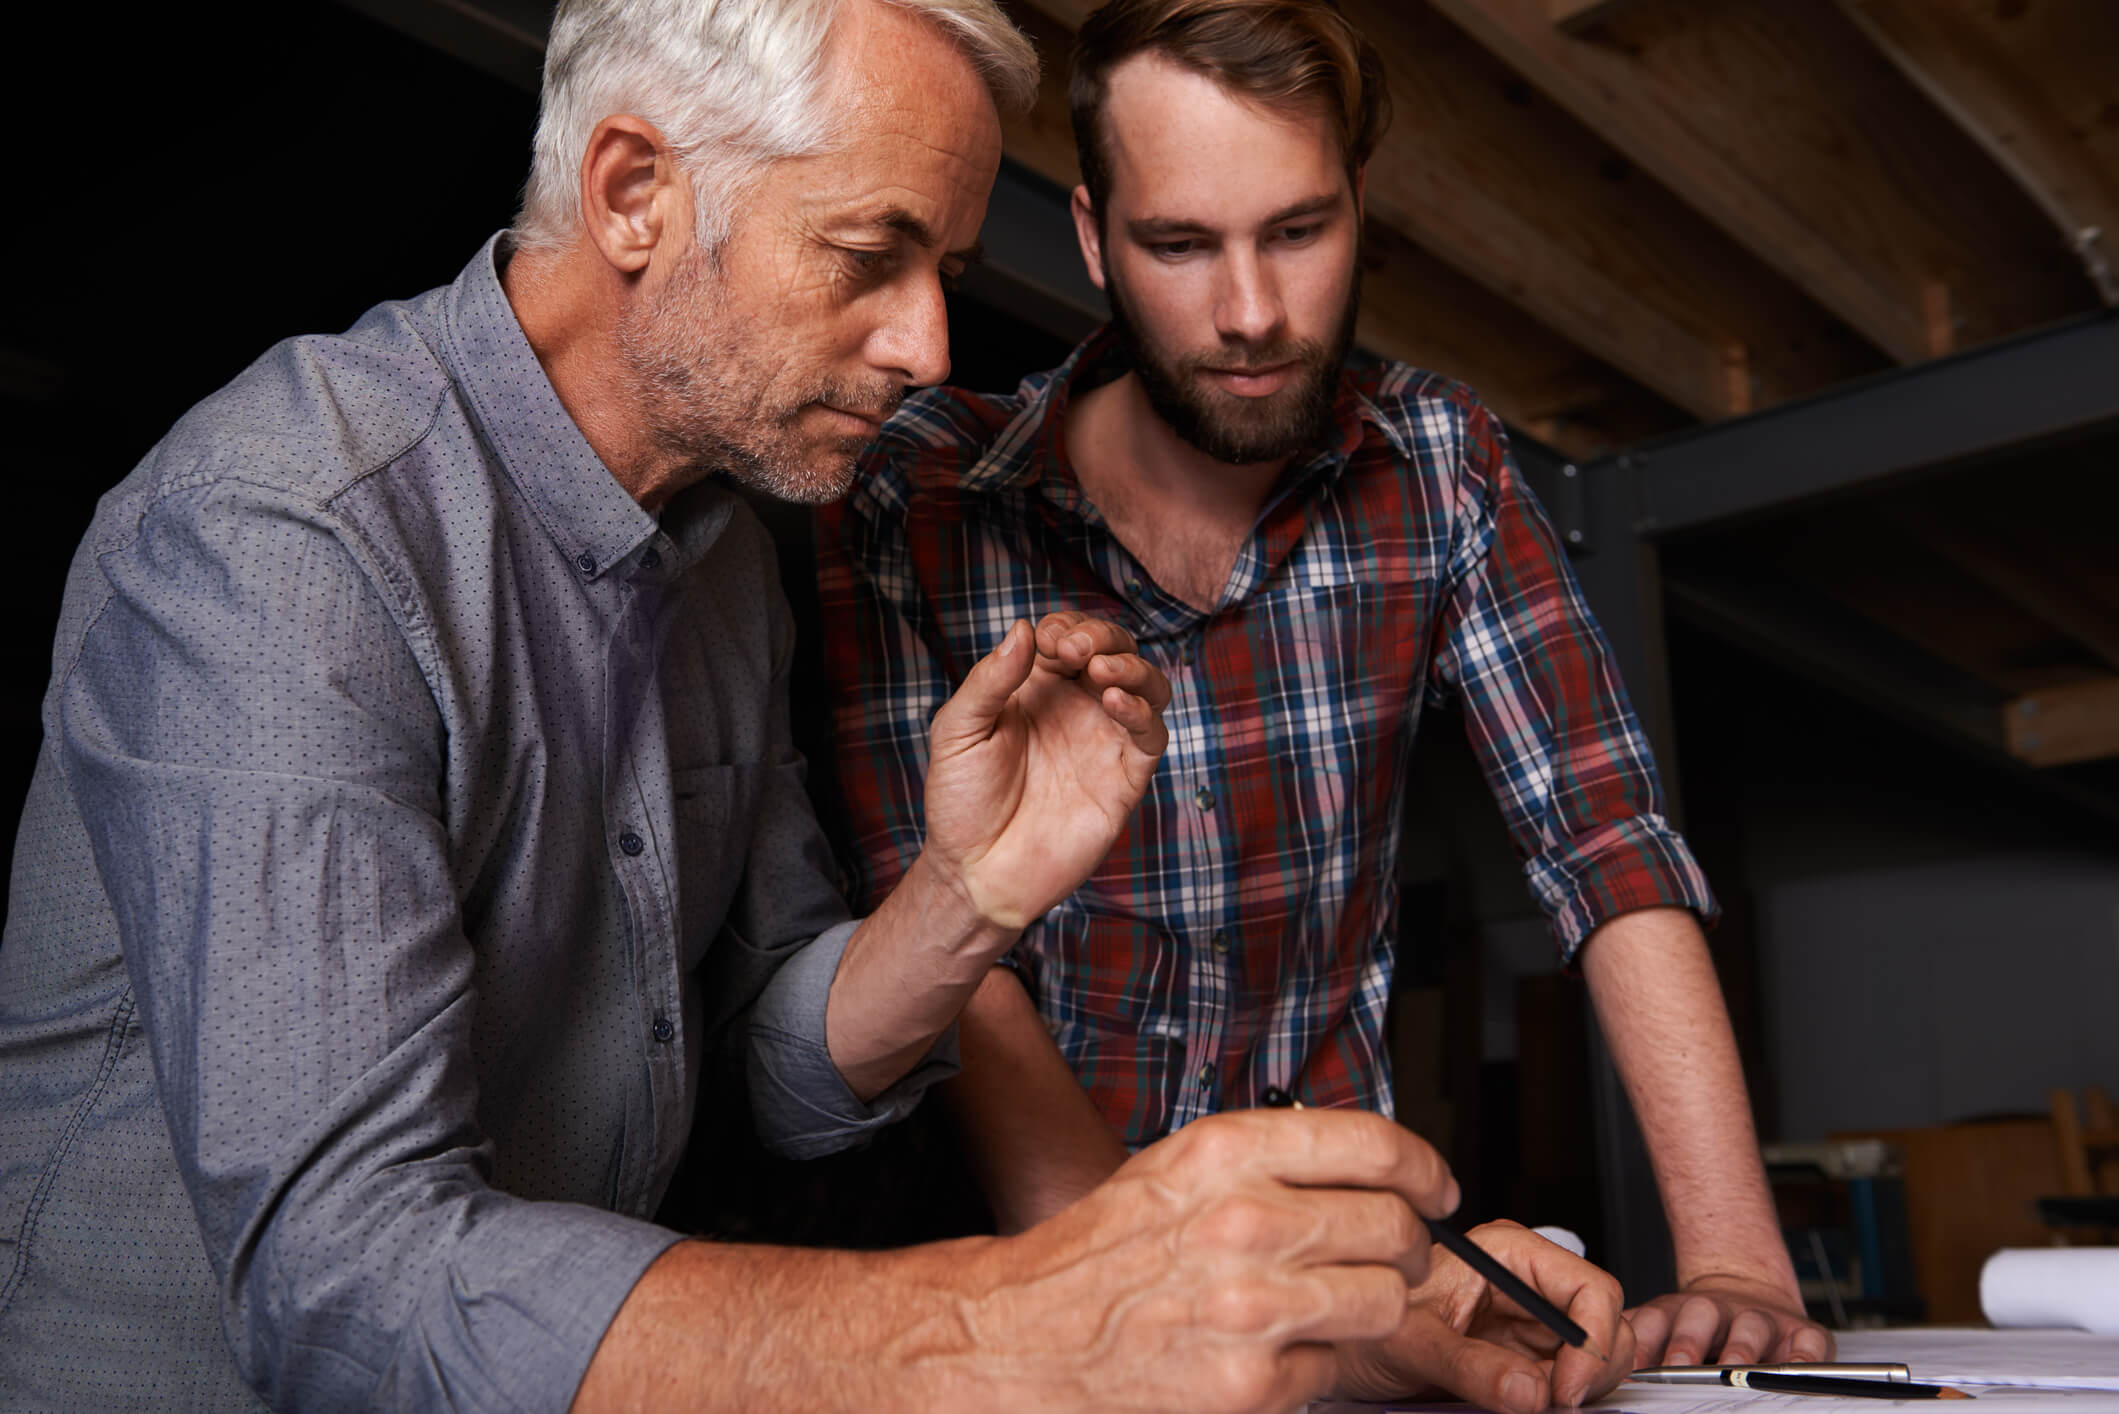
<point>1240,1308</point>
<point>1237,1222</point>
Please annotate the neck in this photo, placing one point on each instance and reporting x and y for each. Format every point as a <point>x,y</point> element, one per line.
<point>1121,449</point>
<point>568,304</point>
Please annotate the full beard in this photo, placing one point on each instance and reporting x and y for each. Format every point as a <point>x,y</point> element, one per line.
<point>717,411</point>
<point>1228,427</point>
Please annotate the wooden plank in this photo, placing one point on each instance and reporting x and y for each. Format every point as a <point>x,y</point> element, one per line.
<point>1499,183</point>
<point>2060,725</point>
<point>2030,89</point>
<point>1772,119</point>
<point>1043,139</point>
<point>2025,578</point>
<point>1575,16</point>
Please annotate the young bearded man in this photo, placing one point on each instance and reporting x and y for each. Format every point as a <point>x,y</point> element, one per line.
<point>1314,556</point>
<point>417,830</point>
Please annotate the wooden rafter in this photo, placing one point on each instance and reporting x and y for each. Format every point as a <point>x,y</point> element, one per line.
<point>2032,85</point>
<point>1766,117</point>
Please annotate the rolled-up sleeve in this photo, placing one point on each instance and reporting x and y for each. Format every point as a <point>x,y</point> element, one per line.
<point>1546,713</point>
<point>258,758</point>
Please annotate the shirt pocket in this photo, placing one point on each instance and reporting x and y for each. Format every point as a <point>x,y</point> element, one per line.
<point>714,809</point>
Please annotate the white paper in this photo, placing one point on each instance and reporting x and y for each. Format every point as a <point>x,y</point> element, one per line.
<point>2052,1286</point>
<point>2054,1359</point>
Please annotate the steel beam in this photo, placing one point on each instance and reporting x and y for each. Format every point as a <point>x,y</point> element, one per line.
<point>2057,383</point>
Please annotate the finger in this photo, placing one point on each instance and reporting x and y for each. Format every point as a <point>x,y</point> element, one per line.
<point>1807,1342</point>
<point>1751,1336</point>
<point>1312,1227</point>
<point>1428,1350</point>
<point>1342,1149</point>
<point>1132,673</point>
<point>1651,1332</point>
<point>1696,1329</point>
<point>1143,723</point>
<point>1071,639</point>
<point>1578,1374</point>
<point>967,718</point>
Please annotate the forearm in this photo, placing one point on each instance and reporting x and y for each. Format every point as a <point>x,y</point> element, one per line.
<point>1033,1137</point>
<point>905,975</point>
<point>1660,1007</point>
<point>712,1326</point>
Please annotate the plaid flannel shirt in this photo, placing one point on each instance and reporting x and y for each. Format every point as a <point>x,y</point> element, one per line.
<point>1241,933</point>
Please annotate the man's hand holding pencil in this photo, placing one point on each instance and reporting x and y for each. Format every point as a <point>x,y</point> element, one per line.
<point>1463,1338</point>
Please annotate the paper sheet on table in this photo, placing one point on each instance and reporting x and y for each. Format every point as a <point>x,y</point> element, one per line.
<point>2008,1372</point>
<point>1711,1399</point>
<point>2050,1359</point>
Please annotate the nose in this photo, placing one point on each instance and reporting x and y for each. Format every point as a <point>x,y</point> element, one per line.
<point>1249,308</point>
<point>912,342</point>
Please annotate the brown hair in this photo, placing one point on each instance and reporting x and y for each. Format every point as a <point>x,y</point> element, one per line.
<point>1278,53</point>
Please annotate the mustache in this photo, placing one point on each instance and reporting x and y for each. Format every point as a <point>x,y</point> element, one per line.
<point>878,399</point>
<point>1254,358</point>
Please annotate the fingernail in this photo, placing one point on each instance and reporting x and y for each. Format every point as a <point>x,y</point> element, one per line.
<point>1520,1391</point>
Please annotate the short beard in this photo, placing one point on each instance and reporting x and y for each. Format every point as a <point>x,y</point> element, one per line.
<point>697,372</point>
<point>1229,428</point>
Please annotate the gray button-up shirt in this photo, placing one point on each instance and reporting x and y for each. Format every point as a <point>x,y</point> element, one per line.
<point>416,813</point>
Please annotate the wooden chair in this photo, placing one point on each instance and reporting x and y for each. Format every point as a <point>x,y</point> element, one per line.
<point>2088,1148</point>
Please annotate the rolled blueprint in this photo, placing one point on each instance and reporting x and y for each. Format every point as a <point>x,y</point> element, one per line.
<point>2052,1286</point>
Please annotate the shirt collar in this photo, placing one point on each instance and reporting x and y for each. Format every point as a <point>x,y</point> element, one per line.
<point>592,519</point>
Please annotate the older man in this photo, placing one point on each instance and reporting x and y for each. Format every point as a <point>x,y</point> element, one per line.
<point>416,823</point>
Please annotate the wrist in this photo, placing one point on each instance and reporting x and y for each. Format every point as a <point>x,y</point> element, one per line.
<point>953,920</point>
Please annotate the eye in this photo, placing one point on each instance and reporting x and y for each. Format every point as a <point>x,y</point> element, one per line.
<point>1173,250</point>
<point>863,263</point>
<point>1296,235</point>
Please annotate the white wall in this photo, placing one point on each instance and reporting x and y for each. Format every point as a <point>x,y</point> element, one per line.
<point>1931,992</point>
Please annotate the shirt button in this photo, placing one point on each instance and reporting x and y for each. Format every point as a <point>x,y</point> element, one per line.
<point>631,843</point>
<point>663,1029</point>
<point>1184,655</point>
<point>1203,798</point>
<point>1133,587</point>
<point>1206,1076</point>
<point>650,558</point>
<point>585,562</point>
<point>1220,940</point>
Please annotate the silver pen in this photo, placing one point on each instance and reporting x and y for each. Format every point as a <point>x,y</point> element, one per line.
<point>1713,1374</point>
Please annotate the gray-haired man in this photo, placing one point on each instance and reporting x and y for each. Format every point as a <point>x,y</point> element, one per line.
<point>416,815</point>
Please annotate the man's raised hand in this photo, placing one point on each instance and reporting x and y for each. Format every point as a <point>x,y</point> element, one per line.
<point>1038,760</point>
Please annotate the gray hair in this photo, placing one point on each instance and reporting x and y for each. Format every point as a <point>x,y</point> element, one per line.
<point>734,85</point>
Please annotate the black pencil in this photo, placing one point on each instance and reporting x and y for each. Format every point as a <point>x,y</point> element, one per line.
<point>1509,1284</point>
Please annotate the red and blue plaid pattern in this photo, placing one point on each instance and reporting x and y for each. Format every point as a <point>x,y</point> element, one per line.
<point>1241,933</point>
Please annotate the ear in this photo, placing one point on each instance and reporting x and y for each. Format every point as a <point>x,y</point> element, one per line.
<point>631,191</point>
<point>1085,232</point>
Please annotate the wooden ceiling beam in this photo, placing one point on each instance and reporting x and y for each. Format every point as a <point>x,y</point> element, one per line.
<point>1763,116</point>
<point>2008,79</point>
<point>1578,15</point>
<point>2024,580</point>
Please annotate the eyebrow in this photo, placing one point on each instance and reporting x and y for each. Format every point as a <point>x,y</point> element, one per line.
<point>1152,228</point>
<point>915,230</point>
